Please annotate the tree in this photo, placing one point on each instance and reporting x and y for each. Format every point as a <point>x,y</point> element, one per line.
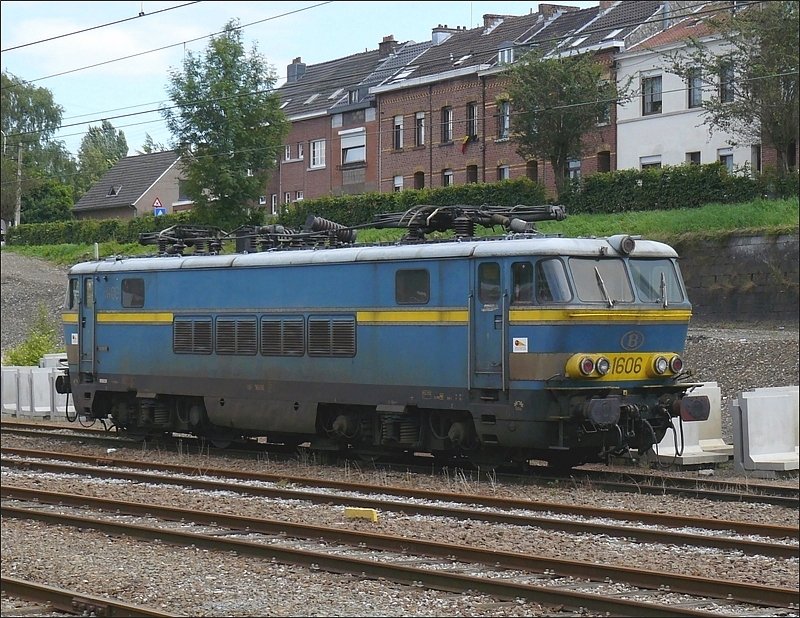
<point>47,200</point>
<point>29,119</point>
<point>752,75</point>
<point>556,103</point>
<point>228,126</point>
<point>99,151</point>
<point>150,145</point>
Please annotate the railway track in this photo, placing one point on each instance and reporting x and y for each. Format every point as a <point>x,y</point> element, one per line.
<point>632,482</point>
<point>775,541</point>
<point>506,575</point>
<point>71,601</point>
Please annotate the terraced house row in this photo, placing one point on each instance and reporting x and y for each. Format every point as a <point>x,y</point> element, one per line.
<point>436,112</point>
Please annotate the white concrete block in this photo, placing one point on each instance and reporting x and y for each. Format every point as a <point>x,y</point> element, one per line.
<point>53,360</point>
<point>35,392</point>
<point>10,390</point>
<point>765,434</point>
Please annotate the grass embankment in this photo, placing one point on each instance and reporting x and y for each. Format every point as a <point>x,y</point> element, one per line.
<point>670,226</point>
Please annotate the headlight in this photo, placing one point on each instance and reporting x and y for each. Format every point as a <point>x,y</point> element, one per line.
<point>586,366</point>
<point>660,365</point>
<point>676,364</point>
<point>603,365</point>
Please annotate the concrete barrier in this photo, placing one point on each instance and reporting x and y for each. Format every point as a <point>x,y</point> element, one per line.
<point>765,431</point>
<point>30,392</point>
<point>701,441</point>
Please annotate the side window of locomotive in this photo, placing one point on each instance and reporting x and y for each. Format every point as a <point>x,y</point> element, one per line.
<point>489,282</point>
<point>133,292</point>
<point>552,284</point>
<point>73,298</point>
<point>603,281</point>
<point>522,277</point>
<point>655,279</point>
<point>88,292</point>
<point>412,287</point>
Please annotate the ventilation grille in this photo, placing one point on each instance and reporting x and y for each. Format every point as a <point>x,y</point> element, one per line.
<point>331,337</point>
<point>192,336</point>
<point>236,336</point>
<point>282,337</point>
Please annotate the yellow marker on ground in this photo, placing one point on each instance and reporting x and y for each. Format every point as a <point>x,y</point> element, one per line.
<point>355,513</point>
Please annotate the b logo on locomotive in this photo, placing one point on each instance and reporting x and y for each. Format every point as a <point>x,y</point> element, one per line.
<point>632,340</point>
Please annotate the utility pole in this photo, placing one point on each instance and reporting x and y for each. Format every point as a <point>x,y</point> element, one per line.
<point>18,209</point>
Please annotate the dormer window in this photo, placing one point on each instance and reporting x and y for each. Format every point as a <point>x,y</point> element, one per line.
<point>311,99</point>
<point>114,190</point>
<point>505,55</point>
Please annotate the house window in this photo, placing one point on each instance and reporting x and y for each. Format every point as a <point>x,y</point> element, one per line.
<point>273,202</point>
<point>419,129</point>
<point>354,146</point>
<point>725,156</point>
<point>532,170</point>
<point>503,172</point>
<point>262,200</point>
<point>755,157</point>
<point>653,161</point>
<point>114,190</point>
<point>300,150</point>
<point>318,153</point>
<point>398,184</point>
<point>298,195</point>
<point>472,119</point>
<point>693,158</point>
<point>447,177</point>
<point>472,173</point>
<point>447,124</point>
<point>604,161</point>
<point>287,152</point>
<point>695,85</point>
<point>287,197</point>
<point>503,119</point>
<point>574,169</point>
<point>419,180</point>
<point>651,95</point>
<point>183,191</point>
<point>505,55</point>
<point>398,132</point>
<point>726,82</point>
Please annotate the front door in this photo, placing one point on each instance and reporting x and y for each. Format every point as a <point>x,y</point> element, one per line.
<point>86,326</point>
<point>488,316</point>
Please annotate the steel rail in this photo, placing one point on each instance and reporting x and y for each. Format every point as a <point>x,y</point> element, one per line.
<point>654,580</point>
<point>74,602</point>
<point>434,579</point>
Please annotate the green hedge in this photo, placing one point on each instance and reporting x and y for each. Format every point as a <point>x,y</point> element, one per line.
<point>668,188</point>
<point>682,186</point>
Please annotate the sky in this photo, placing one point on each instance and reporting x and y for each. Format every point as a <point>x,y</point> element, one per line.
<point>112,60</point>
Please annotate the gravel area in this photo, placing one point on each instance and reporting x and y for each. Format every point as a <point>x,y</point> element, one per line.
<point>192,581</point>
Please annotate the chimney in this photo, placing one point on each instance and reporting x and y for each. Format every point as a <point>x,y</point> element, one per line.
<point>387,46</point>
<point>604,4</point>
<point>442,33</point>
<point>549,10</point>
<point>490,19</point>
<point>295,71</point>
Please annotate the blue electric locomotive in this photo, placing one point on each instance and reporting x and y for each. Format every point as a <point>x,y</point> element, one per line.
<point>491,349</point>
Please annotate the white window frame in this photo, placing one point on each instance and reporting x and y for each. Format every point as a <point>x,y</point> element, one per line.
<point>650,161</point>
<point>574,169</point>
<point>287,152</point>
<point>274,203</point>
<point>398,183</point>
<point>503,172</point>
<point>419,129</point>
<point>447,177</point>
<point>262,200</point>
<point>694,87</point>
<point>298,196</point>
<point>505,55</point>
<point>397,133</point>
<point>725,156</point>
<point>317,154</point>
<point>503,119</point>
<point>652,98</point>
<point>287,197</point>
<point>447,124</point>
<point>300,150</point>
<point>353,145</point>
